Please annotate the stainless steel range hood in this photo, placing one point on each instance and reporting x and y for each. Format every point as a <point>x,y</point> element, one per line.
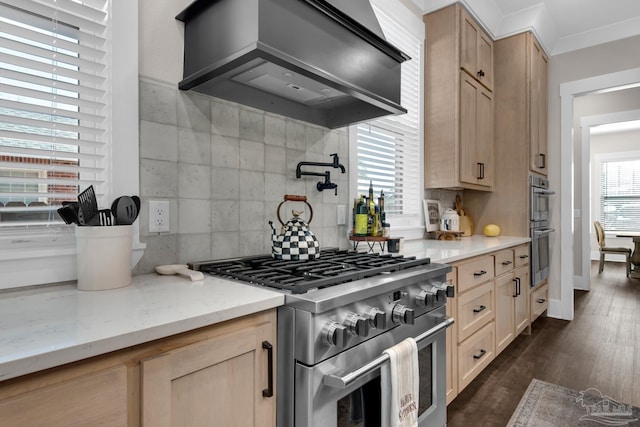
<point>305,59</point>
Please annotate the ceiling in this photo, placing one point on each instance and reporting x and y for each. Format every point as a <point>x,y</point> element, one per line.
<point>560,25</point>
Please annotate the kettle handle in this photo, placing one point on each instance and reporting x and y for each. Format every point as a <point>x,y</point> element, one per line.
<point>293,198</point>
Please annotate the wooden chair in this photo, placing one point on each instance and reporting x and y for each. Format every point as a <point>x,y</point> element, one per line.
<point>610,250</point>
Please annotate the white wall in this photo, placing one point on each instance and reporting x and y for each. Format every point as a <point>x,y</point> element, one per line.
<point>563,69</point>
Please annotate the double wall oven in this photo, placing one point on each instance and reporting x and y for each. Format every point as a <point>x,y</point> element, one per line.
<point>540,230</point>
<point>341,312</point>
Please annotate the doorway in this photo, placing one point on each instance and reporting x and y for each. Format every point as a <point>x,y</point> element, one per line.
<point>564,308</point>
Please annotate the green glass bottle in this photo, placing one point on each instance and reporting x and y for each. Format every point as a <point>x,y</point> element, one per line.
<point>361,218</point>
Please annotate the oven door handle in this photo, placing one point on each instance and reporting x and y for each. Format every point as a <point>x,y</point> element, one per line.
<point>342,382</point>
<point>543,231</point>
<point>543,191</point>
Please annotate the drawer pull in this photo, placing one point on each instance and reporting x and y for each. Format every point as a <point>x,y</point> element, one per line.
<point>540,300</point>
<point>524,256</point>
<point>479,273</point>
<point>478,356</point>
<point>506,263</point>
<point>479,309</point>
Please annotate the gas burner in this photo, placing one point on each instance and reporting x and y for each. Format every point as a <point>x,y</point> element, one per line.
<point>332,268</point>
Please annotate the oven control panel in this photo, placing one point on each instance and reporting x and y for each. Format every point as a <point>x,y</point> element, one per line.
<point>340,328</point>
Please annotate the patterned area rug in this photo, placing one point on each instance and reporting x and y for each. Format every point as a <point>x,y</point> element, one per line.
<point>550,405</point>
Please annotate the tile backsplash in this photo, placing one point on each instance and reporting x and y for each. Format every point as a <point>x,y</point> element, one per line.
<point>224,168</point>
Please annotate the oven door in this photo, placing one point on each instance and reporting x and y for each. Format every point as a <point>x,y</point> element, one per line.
<point>540,204</point>
<point>540,254</point>
<point>344,391</point>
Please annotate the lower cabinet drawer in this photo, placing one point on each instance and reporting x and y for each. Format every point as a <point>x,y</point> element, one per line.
<point>504,261</point>
<point>475,309</point>
<point>521,255</point>
<point>539,301</point>
<point>475,354</point>
<point>474,272</point>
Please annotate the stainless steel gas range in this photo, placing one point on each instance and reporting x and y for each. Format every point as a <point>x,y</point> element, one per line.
<point>341,312</point>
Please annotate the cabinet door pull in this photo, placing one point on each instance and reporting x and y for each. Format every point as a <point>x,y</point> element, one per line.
<point>515,293</point>
<point>480,171</point>
<point>518,289</point>
<point>479,273</point>
<point>479,309</point>
<point>543,161</point>
<point>506,262</point>
<point>268,392</point>
<point>482,353</point>
<point>540,300</point>
<point>480,73</point>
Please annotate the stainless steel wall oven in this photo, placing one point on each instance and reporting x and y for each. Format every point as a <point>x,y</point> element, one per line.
<point>341,312</point>
<point>540,230</point>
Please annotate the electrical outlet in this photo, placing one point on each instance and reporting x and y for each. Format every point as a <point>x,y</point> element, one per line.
<point>159,216</point>
<point>341,214</point>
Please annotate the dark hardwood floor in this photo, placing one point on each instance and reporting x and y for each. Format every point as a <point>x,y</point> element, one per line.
<point>600,348</point>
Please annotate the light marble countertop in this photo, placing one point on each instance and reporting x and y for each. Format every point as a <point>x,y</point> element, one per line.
<point>448,251</point>
<point>49,326</point>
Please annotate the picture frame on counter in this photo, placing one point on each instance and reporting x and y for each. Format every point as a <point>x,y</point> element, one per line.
<point>431,214</point>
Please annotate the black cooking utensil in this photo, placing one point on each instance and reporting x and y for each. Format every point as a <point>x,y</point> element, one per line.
<point>105,216</point>
<point>69,212</point>
<point>88,211</point>
<point>124,210</point>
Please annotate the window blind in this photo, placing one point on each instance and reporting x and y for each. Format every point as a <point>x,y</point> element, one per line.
<point>388,149</point>
<point>54,121</point>
<point>620,195</point>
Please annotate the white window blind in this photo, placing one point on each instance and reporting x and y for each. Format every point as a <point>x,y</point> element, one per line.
<point>620,195</point>
<point>54,97</point>
<point>388,149</point>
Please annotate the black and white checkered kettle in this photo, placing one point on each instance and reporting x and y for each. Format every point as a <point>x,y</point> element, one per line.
<point>296,242</point>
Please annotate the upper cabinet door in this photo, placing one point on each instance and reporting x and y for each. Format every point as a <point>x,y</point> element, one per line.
<point>476,50</point>
<point>538,143</point>
<point>476,133</point>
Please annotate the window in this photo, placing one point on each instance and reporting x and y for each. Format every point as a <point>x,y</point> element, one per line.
<point>53,109</point>
<point>68,119</point>
<point>389,149</point>
<point>620,194</point>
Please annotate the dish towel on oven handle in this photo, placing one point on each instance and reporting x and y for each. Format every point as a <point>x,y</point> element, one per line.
<point>400,381</point>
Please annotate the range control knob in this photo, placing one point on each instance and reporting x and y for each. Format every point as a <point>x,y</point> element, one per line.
<point>356,324</point>
<point>335,334</point>
<point>426,297</point>
<point>377,318</point>
<point>449,290</point>
<point>402,314</point>
<point>446,291</point>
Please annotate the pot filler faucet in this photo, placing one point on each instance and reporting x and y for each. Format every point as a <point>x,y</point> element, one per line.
<point>327,184</point>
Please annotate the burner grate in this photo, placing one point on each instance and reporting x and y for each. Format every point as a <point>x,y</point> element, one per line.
<point>332,268</point>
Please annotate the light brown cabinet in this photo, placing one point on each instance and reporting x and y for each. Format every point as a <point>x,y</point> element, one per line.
<point>539,300</point>
<point>214,373</point>
<point>512,296</point>
<point>223,380</point>
<point>476,133</point>
<point>475,327</point>
<point>538,66</point>
<point>452,344</point>
<point>458,102</point>
<point>520,144</point>
<point>95,395</point>
<point>476,50</point>
<point>491,307</point>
